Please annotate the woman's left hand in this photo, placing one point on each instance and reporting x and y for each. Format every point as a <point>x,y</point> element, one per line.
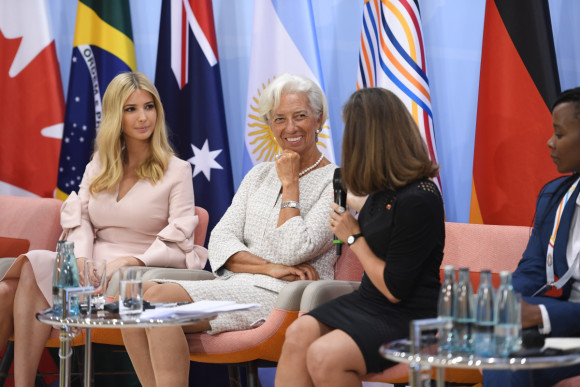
<point>342,224</point>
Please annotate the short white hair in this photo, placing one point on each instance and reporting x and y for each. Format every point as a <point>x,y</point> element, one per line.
<point>290,83</point>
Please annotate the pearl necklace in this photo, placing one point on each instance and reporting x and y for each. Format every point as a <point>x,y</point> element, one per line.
<point>310,168</point>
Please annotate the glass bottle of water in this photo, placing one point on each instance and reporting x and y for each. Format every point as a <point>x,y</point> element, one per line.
<point>508,326</point>
<point>58,265</point>
<point>446,309</point>
<point>464,314</point>
<point>66,275</point>
<point>485,317</point>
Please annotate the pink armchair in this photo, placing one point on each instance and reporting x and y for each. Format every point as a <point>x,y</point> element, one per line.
<point>472,245</point>
<point>34,223</point>
<point>256,347</point>
<point>25,224</point>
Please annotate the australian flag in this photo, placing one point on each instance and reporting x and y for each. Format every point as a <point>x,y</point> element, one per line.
<point>189,82</point>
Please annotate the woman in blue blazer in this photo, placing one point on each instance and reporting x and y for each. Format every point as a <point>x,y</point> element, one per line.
<point>553,252</point>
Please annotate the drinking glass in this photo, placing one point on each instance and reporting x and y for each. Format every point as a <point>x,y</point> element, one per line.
<point>131,291</point>
<point>96,276</point>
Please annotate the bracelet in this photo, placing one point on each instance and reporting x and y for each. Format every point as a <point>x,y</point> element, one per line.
<point>291,204</point>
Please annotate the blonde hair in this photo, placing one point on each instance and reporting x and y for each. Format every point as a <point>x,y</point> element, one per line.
<point>110,143</point>
<point>382,147</point>
<point>288,83</point>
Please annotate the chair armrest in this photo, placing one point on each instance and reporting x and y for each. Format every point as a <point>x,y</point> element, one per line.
<point>290,295</point>
<point>152,272</point>
<point>319,292</point>
<point>5,264</point>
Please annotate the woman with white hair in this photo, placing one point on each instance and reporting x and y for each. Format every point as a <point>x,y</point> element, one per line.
<point>274,232</point>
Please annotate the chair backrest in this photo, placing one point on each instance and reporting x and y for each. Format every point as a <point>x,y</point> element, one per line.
<point>347,266</point>
<point>201,229</point>
<point>477,246</point>
<point>28,223</point>
<point>484,246</point>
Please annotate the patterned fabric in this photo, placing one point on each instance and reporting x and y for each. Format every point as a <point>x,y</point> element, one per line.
<point>249,224</point>
<point>392,56</point>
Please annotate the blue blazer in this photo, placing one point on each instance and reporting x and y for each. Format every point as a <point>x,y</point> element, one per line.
<point>530,274</point>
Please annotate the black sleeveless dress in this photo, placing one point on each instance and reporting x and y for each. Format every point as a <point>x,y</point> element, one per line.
<point>406,229</point>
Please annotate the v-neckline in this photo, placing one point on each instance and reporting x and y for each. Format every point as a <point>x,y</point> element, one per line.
<point>117,199</point>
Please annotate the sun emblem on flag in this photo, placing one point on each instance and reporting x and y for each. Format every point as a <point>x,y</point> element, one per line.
<point>260,140</point>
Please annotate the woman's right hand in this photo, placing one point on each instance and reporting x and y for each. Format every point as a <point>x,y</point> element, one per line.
<point>81,267</point>
<point>302,271</point>
<point>288,167</point>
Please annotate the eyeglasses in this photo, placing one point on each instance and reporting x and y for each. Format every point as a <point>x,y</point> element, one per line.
<point>280,122</point>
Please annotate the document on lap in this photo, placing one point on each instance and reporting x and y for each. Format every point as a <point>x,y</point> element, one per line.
<point>196,309</point>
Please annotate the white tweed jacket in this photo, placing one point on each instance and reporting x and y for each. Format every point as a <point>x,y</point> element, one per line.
<point>250,223</point>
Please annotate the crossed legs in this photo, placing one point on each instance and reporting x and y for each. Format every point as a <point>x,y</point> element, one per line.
<point>161,355</point>
<point>20,300</point>
<point>315,355</point>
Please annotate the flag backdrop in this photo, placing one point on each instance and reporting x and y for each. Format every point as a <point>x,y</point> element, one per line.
<point>188,79</point>
<point>392,56</point>
<point>518,84</point>
<point>32,101</point>
<point>283,41</point>
<point>102,48</point>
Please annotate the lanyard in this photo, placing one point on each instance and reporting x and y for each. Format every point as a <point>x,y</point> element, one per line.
<point>552,242</point>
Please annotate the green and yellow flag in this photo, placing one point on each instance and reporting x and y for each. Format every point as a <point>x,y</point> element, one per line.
<point>102,48</point>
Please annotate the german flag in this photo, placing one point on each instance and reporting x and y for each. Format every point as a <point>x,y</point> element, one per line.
<point>102,48</point>
<point>518,84</point>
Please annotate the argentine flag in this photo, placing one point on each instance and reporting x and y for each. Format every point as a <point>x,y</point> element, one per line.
<point>283,41</point>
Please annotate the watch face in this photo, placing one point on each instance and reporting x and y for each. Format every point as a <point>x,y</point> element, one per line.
<point>350,240</point>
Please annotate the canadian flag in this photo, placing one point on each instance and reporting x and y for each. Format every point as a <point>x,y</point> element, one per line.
<point>31,101</point>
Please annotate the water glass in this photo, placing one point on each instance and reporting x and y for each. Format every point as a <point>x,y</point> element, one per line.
<point>131,292</point>
<point>96,276</point>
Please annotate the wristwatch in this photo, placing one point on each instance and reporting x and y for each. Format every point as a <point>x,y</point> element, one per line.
<point>351,239</point>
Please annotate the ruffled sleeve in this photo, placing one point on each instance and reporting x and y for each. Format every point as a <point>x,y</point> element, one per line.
<point>174,242</point>
<point>174,245</point>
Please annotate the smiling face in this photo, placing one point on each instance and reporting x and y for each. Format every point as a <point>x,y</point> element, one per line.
<point>294,124</point>
<point>565,142</point>
<point>139,116</point>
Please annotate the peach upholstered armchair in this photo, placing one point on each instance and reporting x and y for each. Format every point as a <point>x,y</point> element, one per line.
<point>26,223</point>
<point>475,246</point>
<point>34,223</point>
<point>252,348</point>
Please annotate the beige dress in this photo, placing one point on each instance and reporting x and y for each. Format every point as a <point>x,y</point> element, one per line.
<point>250,224</point>
<point>152,222</point>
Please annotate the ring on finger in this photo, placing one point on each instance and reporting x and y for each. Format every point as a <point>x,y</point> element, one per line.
<point>340,209</point>
<point>278,156</point>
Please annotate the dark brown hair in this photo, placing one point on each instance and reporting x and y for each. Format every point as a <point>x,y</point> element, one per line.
<point>381,146</point>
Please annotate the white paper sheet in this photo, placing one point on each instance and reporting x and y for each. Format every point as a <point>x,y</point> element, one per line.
<point>563,343</point>
<point>196,309</point>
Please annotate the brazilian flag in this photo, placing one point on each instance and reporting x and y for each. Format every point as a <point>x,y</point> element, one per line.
<point>102,48</point>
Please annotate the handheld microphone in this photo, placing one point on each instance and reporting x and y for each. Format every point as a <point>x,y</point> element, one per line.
<point>340,199</point>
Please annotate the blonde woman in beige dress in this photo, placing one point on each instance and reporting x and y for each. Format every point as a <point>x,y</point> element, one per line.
<point>275,231</point>
<point>135,207</point>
